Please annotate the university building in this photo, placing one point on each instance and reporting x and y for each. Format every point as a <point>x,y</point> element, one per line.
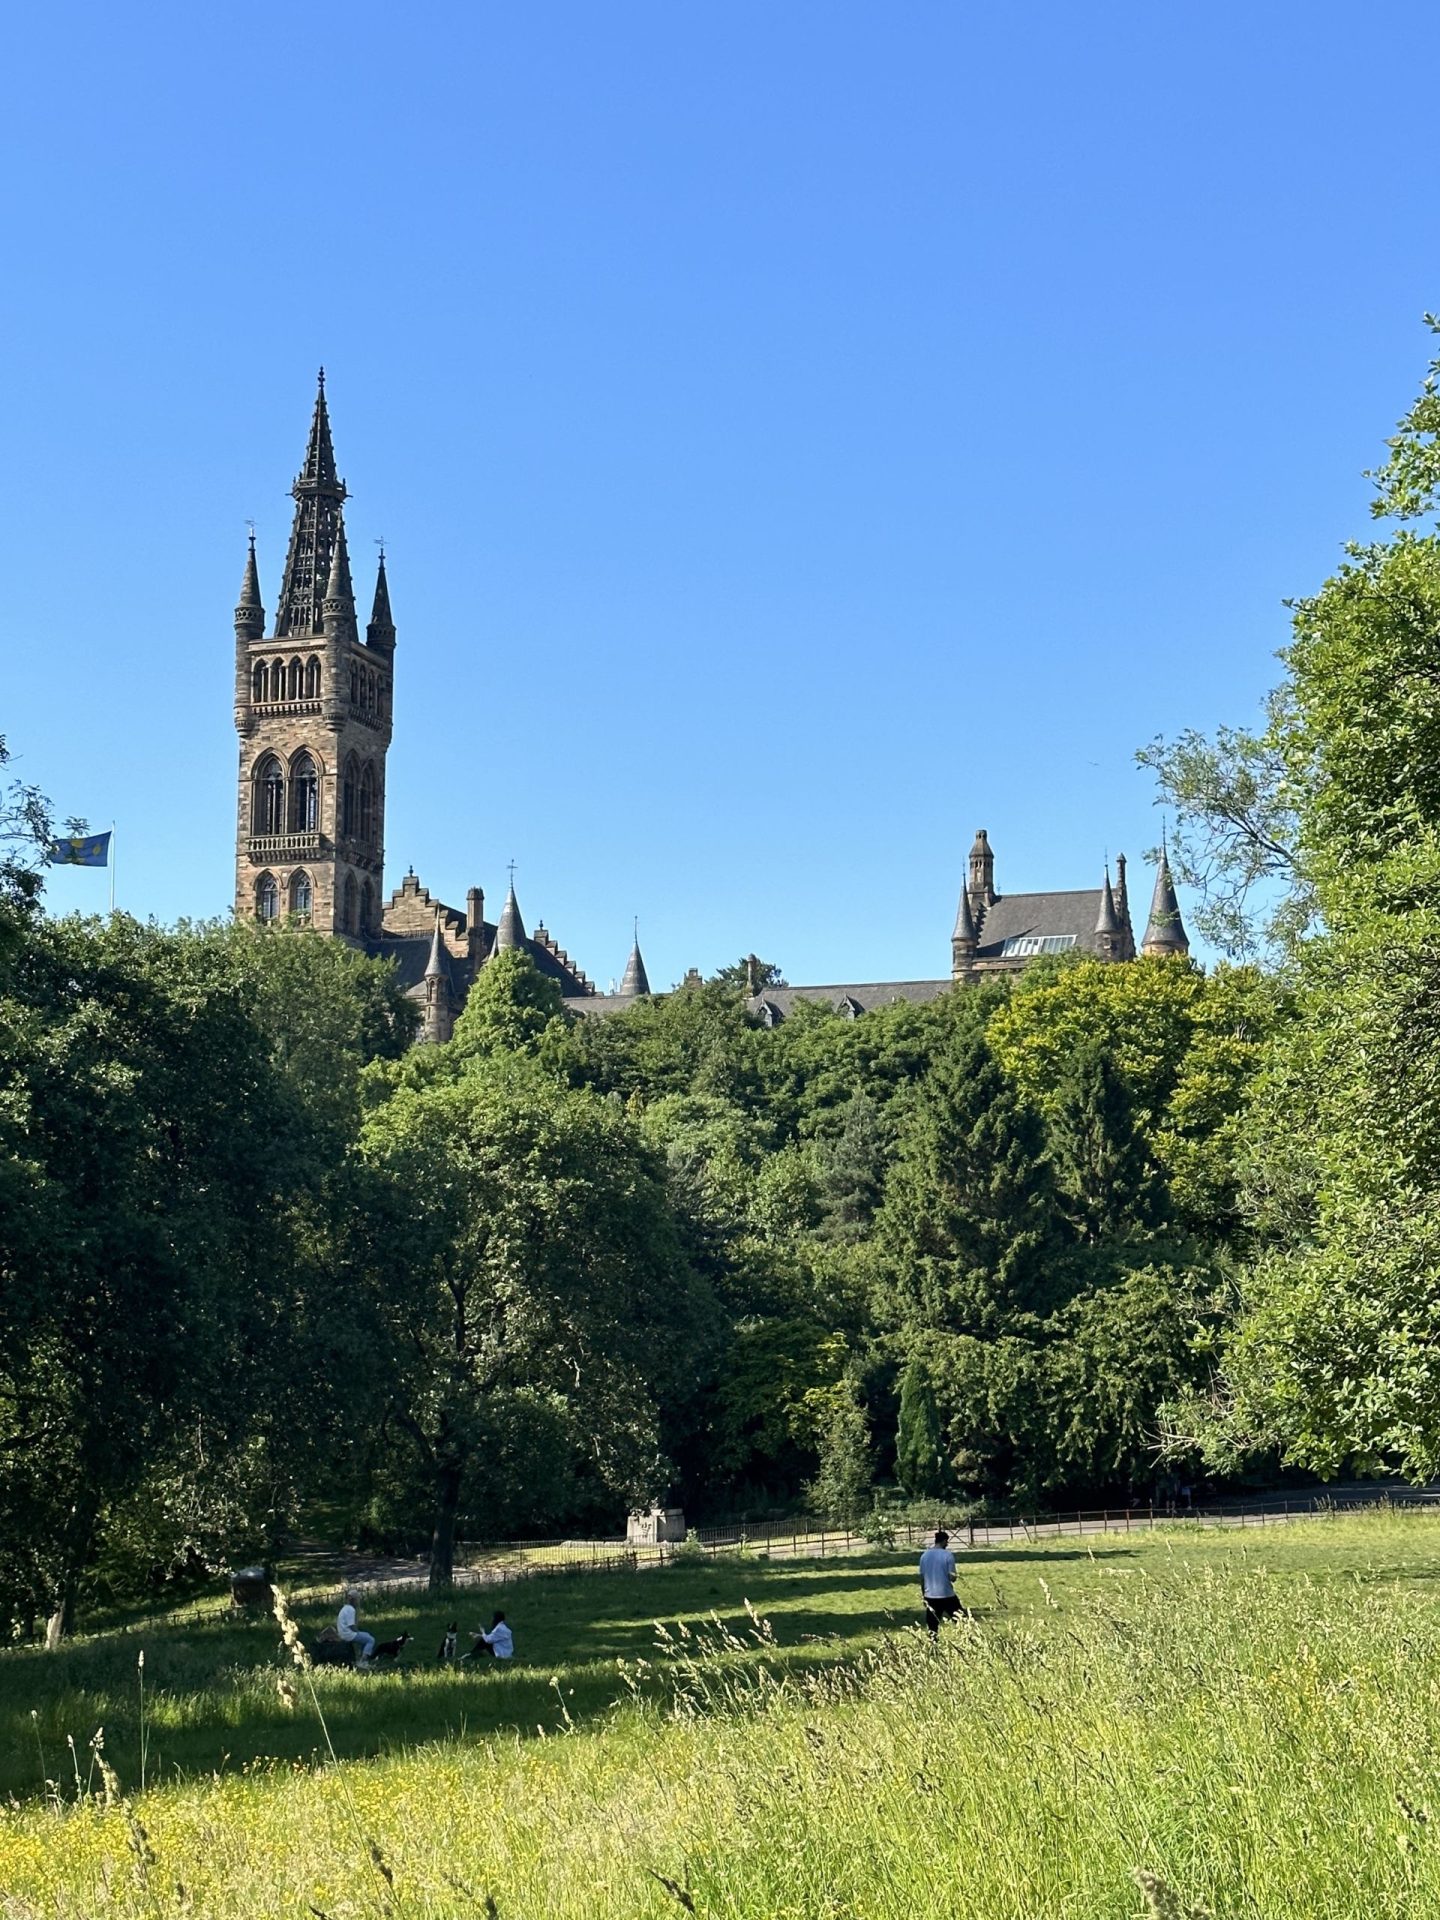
<point>313,709</point>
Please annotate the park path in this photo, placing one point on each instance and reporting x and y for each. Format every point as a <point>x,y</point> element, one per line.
<point>805,1540</point>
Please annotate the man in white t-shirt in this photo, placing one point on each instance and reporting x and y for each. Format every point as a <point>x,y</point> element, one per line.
<point>364,1643</point>
<point>937,1583</point>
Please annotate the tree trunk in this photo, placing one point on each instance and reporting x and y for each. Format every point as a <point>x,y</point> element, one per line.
<point>442,1539</point>
<point>61,1620</point>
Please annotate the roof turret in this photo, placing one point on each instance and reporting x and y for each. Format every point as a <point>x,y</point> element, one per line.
<point>381,630</point>
<point>636,980</point>
<point>435,965</point>
<point>249,613</point>
<point>1165,932</point>
<point>1109,921</point>
<point>510,930</point>
<point>965,929</point>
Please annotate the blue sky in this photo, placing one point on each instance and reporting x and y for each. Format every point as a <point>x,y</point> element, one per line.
<point>803,433</point>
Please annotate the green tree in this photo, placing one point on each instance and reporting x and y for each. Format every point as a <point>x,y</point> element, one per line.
<point>842,1489</point>
<point>968,1231</point>
<point>920,1440</point>
<point>1108,1183</point>
<point>541,1274</point>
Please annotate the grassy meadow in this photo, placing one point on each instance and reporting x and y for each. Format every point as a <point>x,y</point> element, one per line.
<point>1253,1717</point>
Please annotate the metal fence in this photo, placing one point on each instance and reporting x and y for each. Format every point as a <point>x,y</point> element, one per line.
<point>497,1564</point>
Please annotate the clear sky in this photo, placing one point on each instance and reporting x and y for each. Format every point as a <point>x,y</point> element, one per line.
<point>802,432</point>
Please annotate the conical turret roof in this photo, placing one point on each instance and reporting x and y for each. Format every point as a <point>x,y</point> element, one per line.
<point>249,608</point>
<point>510,931</point>
<point>636,980</point>
<point>435,965</point>
<point>1165,932</point>
<point>965,928</point>
<point>1109,921</point>
<point>380,615</point>
<point>340,586</point>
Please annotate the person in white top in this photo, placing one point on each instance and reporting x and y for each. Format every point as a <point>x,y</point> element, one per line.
<point>347,1629</point>
<point>499,1641</point>
<point>937,1583</point>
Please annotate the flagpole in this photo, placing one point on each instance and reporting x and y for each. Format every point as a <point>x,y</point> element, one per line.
<point>112,869</point>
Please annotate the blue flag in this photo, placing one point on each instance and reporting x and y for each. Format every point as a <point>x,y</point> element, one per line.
<point>81,850</point>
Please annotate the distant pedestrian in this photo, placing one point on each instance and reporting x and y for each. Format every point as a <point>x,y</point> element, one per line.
<point>346,1627</point>
<point>937,1583</point>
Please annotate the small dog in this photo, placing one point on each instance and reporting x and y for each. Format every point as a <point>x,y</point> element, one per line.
<point>447,1645</point>
<point>391,1649</point>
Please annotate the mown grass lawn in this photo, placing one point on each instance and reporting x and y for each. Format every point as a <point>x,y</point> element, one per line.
<point>1255,1717</point>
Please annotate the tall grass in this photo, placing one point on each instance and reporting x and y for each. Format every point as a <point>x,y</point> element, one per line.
<point>1172,1735</point>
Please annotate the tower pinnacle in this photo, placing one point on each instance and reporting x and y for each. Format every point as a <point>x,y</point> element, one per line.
<point>318,492</point>
<point>249,611</point>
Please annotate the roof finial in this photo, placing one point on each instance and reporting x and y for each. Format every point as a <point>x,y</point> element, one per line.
<point>322,379</point>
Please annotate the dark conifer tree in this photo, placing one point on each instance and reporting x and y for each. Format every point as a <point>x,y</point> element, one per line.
<point>1109,1187</point>
<point>969,1230</point>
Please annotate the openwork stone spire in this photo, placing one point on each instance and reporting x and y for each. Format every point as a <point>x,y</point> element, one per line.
<point>318,492</point>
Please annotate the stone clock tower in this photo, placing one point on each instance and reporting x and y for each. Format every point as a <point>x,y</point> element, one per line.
<point>313,711</point>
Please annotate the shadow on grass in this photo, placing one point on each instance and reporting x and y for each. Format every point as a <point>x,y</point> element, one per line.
<point>214,1703</point>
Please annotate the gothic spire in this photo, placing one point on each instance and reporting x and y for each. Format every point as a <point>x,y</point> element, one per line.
<point>339,602</point>
<point>318,492</point>
<point>965,921</point>
<point>381,630</point>
<point>510,932</point>
<point>1165,932</point>
<point>636,979</point>
<point>1109,921</point>
<point>250,613</point>
<point>435,966</point>
<point>319,467</point>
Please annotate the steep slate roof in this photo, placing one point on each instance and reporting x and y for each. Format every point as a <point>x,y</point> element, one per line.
<point>776,1003</point>
<point>1017,915</point>
<point>411,953</point>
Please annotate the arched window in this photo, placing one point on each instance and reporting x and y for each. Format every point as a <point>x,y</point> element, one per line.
<point>268,812</point>
<point>267,898</point>
<point>300,895</point>
<point>351,898</point>
<point>372,705</point>
<point>367,908</point>
<point>305,796</point>
<point>297,679</point>
<point>354,684</point>
<point>277,679</point>
<point>350,801</point>
<point>312,678</point>
<point>260,680</point>
<point>368,820</point>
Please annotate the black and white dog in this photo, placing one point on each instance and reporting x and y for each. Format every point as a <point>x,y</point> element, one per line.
<point>391,1649</point>
<point>447,1645</point>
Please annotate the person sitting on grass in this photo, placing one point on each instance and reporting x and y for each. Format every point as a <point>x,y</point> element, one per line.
<point>937,1583</point>
<point>345,1626</point>
<point>499,1642</point>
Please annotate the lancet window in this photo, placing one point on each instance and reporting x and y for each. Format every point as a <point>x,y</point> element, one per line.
<point>305,791</point>
<point>267,898</point>
<point>268,813</point>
